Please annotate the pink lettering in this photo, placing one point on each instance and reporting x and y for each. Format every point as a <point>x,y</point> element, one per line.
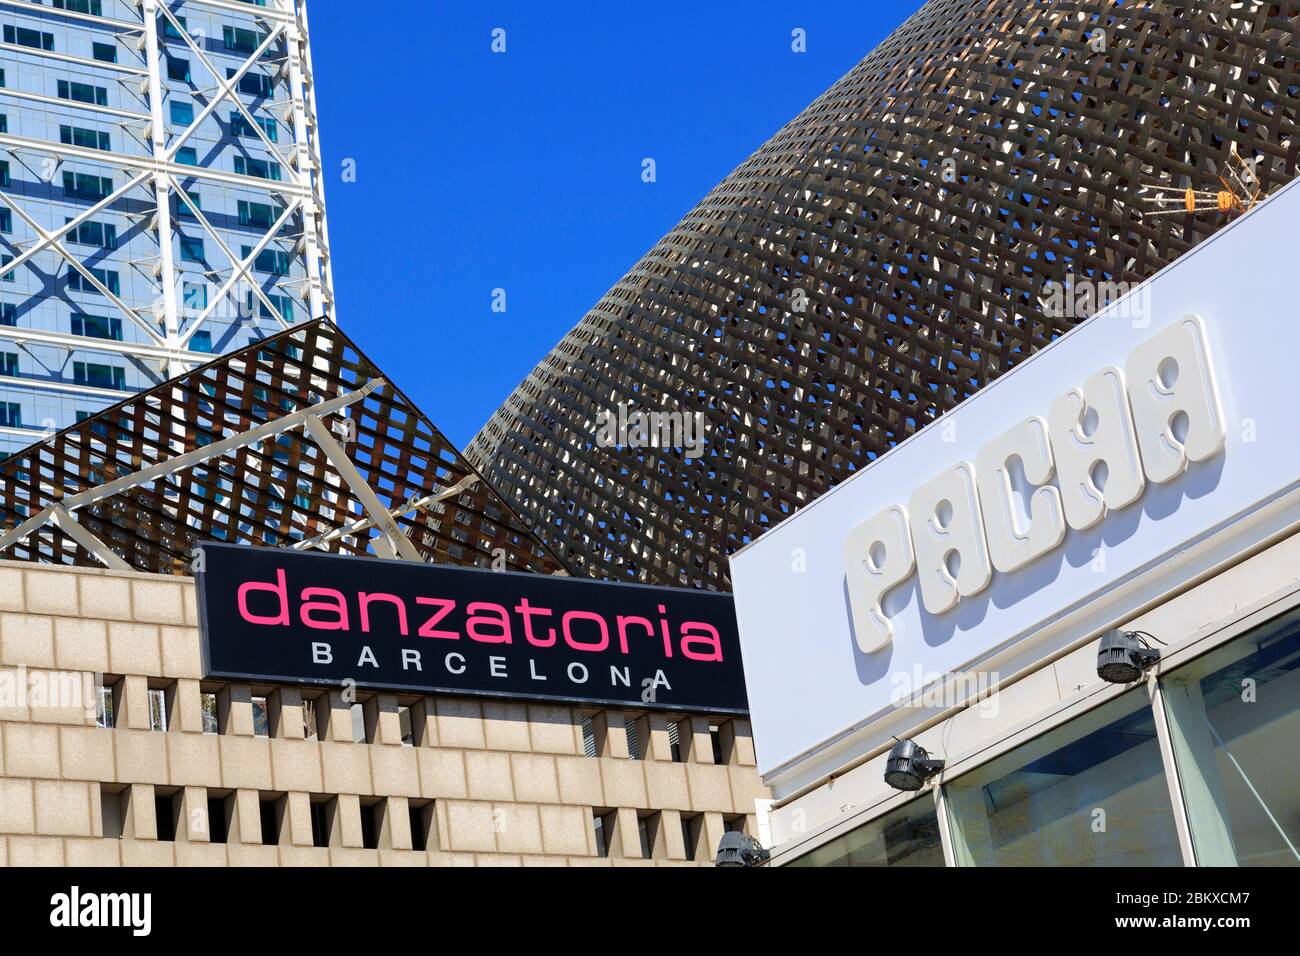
<point>526,611</point>
<point>585,616</point>
<point>338,607</point>
<point>365,601</point>
<point>499,619</point>
<point>709,637</point>
<point>279,589</point>
<point>623,623</point>
<point>444,607</point>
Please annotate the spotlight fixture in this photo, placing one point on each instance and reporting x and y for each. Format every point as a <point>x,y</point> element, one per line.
<point>1124,656</point>
<point>909,766</point>
<point>740,849</point>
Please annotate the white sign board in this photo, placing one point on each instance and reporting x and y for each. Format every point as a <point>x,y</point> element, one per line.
<point>1157,423</point>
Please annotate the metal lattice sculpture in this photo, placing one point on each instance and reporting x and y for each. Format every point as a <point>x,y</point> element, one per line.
<point>886,254</point>
<point>295,442</point>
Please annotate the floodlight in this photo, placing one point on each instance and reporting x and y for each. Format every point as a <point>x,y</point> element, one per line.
<point>1123,656</point>
<point>740,849</point>
<point>909,766</point>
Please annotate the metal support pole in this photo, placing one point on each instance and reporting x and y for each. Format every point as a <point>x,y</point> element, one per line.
<point>69,525</point>
<point>162,191</point>
<point>391,539</point>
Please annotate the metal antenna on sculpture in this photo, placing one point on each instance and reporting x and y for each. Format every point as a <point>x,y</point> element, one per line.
<point>1240,193</point>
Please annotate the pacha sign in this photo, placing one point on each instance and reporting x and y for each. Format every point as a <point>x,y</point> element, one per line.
<point>1100,444</point>
<point>1165,450</point>
<point>287,616</point>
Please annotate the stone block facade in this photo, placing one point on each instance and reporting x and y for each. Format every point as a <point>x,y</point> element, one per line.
<point>298,775</point>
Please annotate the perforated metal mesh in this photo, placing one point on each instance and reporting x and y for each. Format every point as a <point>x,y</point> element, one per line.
<point>281,491</point>
<point>923,279</point>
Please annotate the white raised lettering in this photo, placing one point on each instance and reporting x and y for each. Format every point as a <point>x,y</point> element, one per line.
<point>1096,452</point>
<point>877,557</point>
<point>952,557</point>
<point>1175,402</point>
<point>1012,542</point>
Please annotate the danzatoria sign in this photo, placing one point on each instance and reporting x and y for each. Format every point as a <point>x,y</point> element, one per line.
<point>284,616</point>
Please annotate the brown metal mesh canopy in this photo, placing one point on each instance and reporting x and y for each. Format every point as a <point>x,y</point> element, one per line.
<point>295,442</point>
<point>885,255</point>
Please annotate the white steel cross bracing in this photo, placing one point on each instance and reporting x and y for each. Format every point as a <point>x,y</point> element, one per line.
<point>391,542</point>
<point>156,175</point>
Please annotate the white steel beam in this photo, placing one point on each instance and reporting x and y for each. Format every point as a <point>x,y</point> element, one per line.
<point>307,143</point>
<point>25,6</point>
<point>268,13</point>
<point>226,88</point>
<point>27,434</point>
<point>68,227</point>
<point>325,271</point>
<point>60,513</point>
<point>65,522</point>
<point>162,195</point>
<point>77,343</point>
<point>72,104</point>
<point>361,525</point>
<point>218,448</point>
<point>51,239</point>
<point>46,385</point>
<point>252,436</point>
<point>391,542</point>
<point>34,523</point>
<point>127,161</point>
<point>76,60</point>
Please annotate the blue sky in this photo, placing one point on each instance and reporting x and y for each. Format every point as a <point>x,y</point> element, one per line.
<point>522,170</point>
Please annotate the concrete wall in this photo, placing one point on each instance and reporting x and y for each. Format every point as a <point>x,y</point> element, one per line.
<point>508,782</point>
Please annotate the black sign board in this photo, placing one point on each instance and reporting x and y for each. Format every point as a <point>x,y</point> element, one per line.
<point>294,617</point>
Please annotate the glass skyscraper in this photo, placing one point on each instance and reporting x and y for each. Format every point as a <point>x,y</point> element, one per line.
<point>160,195</point>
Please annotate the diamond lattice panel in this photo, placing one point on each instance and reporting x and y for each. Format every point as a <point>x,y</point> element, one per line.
<point>887,253</point>
<point>281,490</point>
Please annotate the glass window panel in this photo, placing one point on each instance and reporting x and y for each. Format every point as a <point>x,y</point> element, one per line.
<point>907,836</point>
<point>195,296</point>
<point>261,717</point>
<point>309,718</point>
<point>1234,721</point>
<point>157,709</point>
<point>1089,793</point>
<point>211,721</point>
<point>104,707</point>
